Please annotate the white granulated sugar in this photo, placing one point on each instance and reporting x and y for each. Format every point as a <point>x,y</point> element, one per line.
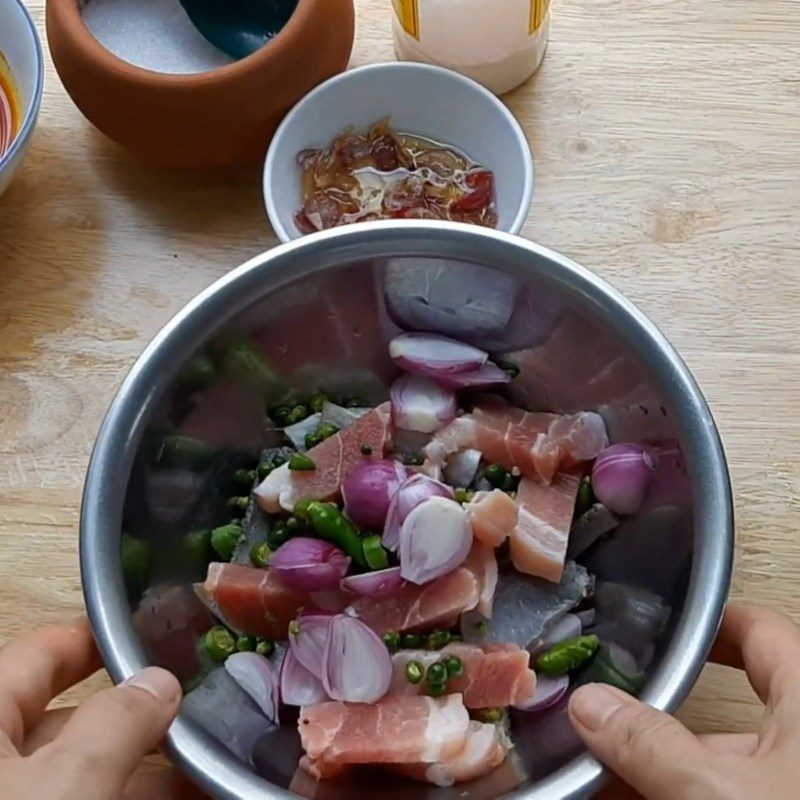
<point>154,34</point>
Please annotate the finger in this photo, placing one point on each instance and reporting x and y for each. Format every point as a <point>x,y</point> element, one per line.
<point>649,750</point>
<point>102,743</point>
<point>765,644</point>
<point>164,783</point>
<point>39,666</point>
<point>46,730</point>
<point>737,744</point>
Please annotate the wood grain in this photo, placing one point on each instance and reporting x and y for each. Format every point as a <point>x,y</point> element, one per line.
<point>665,138</point>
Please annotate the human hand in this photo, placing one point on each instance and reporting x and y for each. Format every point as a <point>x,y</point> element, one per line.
<point>659,758</point>
<point>91,752</point>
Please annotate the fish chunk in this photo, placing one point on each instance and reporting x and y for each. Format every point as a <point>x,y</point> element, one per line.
<point>334,459</point>
<point>395,730</point>
<point>486,748</point>
<point>482,563</point>
<point>416,607</point>
<point>539,542</point>
<point>493,516</point>
<point>537,443</point>
<point>254,601</point>
<point>494,675</point>
<point>524,607</point>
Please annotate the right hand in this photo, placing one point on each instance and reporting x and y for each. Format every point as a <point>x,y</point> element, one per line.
<point>660,759</point>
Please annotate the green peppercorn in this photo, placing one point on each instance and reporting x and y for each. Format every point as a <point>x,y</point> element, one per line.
<point>415,672</point>
<point>264,470</point>
<point>312,439</point>
<point>414,460</point>
<point>197,547</point>
<point>454,666</point>
<point>136,561</point>
<point>318,400</point>
<point>585,496</point>
<point>297,414</point>
<point>246,644</point>
<point>412,641</point>
<point>300,462</point>
<point>219,643</point>
<point>437,674</point>
<point>278,461</point>
<point>437,689</point>
<point>264,647</point>
<point>278,536</point>
<point>198,372</point>
<point>366,449</point>
<point>374,553</point>
<point>238,503</point>
<point>567,655</point>
<point>352,402</point>
<point>280,414</point>
<point>225,538</point>
<point>392,640</point>
<point>491,715</point>
<point>294,627</point>
<point>437,639</point>
<point>261,554</point>
<point>496,475</point>
<point>293,524</point>
<point>244,477</point>
<point>463,495</point>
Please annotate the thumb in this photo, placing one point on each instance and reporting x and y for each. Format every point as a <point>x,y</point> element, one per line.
<point>105,739</point>
<point>649,750</point>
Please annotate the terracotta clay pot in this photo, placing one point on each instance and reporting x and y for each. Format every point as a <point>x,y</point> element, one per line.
<point>211,119</point>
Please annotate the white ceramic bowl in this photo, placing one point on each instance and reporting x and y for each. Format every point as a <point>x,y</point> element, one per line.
<point>419,98</point>
<point>22,49</point>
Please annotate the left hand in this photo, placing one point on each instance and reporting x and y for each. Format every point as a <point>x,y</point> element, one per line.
<point>93,751</point>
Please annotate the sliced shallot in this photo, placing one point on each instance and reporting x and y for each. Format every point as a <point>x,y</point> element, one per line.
<point>357,667</point>
<point>259,678</point>
<point>435,538</point>
<point>420,404</point>
<point>311,564</point>
<point>621,476</point>
<point>369,488</point>
<point>568,627</point>
<point>462,467</point>
<point>307,637</point>
<point>375,584</point>
<point>549,690</point>
<point>434,355</point>
<point>487,375</point>
<point>299,687</point>
<point>414,491</point>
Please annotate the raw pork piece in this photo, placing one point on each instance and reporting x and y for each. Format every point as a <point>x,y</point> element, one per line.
<point>481,562</point>
<point>254,601</point>
<point>486,748</point>
<point>418,607</point>
<point>539,444</point>
<point>494,675</point>
<point>524,607</point>
<point>493,516</point>
<point>334,458</point>
<point>539,542</point>
<point>395,730</point>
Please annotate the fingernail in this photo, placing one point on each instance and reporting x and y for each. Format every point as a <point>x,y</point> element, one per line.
<point>157,682</point>
<point>592,705</point>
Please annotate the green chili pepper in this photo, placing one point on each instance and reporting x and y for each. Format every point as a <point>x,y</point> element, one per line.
<point>366,449</point>
<point>264,647</point>
<point>463,495</point>
<point>135,564</point>
<point>244,477</point>
<point>585,496</point>
<point>437,674</point>
<point>412,641</point>
<point>437,689</point>
<point>392,640</point>
<point>279,415</point>
<point>219,643</point>
<point>437,639</point>
<point>225,538</point>
<point>496,475</point>
<point>567,655</point>
<point>261,554</point>
<point>246,644</point>
<point>197,547</point>
<point>278,536</point>
<point>238,503</point>
<point>374,553</point>
<point>454,666</point>
<point>415,672</point>
<point>184,451</point>
<point>333,526</point>
<point>604,669</point>
<point>300,462</point>
<point>297,414</point>
<point>491,715</point>
<point>198,372</point>
<point>318,400</point>
<point>264,470</point>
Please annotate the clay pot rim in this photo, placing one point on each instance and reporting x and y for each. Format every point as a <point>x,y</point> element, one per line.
<point>68,17</point>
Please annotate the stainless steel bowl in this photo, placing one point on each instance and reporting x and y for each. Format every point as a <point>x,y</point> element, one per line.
<point>322,310</point>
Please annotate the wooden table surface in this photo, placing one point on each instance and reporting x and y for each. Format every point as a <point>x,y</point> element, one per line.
<point>666,138</point>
